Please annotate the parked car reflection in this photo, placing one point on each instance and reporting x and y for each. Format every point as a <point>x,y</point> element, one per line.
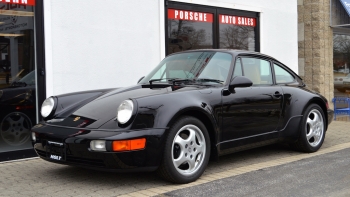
<point>342,84</point>
<point>18,110</point>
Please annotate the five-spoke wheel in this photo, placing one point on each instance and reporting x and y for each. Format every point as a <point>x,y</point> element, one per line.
<point>314,127</point>
<point>15,128</point>
<point>187,151</point>
<point>312,130</point>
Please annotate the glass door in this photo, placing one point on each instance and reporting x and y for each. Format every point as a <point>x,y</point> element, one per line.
<point>17,75</point>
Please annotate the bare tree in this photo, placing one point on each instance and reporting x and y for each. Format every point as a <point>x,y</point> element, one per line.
<point>341,50</point>
<point>235,37</point>
<point>183,36</point>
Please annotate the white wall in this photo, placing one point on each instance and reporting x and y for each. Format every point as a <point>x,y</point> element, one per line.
<point>93,44</point>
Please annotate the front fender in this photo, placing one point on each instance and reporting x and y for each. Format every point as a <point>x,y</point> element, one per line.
<point>160,111</point>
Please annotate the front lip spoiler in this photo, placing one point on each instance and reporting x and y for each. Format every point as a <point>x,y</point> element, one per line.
<point>119,170</point>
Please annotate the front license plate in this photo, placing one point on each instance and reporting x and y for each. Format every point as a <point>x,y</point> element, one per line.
<point>55,157</point>
<point>56,151</point>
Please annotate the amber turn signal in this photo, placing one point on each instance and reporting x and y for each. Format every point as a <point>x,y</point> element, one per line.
<point>128,145</point>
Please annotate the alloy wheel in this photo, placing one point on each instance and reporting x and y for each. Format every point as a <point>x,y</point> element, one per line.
<point>188,150</point>
<point>314,127</point>
<point>15,128</point>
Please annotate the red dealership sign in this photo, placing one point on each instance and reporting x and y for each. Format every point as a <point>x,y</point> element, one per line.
<point>237,20</point>
<point>20,2</point>
<point>190,15</point>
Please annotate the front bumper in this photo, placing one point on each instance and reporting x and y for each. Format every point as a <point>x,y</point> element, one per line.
<point>330,115</point>
<point>71,146</point>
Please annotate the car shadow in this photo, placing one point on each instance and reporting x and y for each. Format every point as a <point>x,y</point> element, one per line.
<point>150,179</point>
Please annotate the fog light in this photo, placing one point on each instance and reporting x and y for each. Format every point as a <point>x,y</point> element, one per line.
<point>33,136</point>
<point>98,145</point>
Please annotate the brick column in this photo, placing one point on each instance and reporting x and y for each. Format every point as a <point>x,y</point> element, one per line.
<point>315,46</point>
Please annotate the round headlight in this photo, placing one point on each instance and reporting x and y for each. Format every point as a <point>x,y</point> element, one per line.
<point>125,111</point>
<point>47,107</point>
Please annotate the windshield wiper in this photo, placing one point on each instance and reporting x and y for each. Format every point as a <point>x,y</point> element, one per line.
<point>210,80</point>
<point>180,80</point>
<point>19,84</point>
<point>153,80</point>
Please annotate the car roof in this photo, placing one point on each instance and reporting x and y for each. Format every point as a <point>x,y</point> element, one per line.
<point>236,52</point>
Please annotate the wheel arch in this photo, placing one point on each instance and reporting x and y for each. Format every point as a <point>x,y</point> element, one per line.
<point>318,101</point>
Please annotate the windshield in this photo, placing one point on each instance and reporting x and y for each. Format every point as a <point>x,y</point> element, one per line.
<point>29,79</point>
<point>192,66</point>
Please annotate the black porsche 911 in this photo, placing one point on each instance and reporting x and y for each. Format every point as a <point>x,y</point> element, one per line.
<point>193,106</point>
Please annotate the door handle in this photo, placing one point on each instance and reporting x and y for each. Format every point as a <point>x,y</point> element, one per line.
<point>277,94</point>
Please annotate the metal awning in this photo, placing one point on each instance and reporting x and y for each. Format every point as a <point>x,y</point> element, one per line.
<point>340,16</point>
<point>346,5</point>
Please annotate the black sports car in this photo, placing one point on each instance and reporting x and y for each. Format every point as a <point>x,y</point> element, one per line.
<point>193,106</point>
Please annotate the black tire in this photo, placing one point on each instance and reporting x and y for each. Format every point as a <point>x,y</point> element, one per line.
<point>15,128</point>
<point>194,152</point>
<point>304,144</point>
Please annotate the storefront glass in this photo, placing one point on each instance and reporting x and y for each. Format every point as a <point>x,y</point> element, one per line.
<point>190,26</point>
<point>17,75</point>
<point>237,32</point>
<point>341,64</point>
<point>189,30</point>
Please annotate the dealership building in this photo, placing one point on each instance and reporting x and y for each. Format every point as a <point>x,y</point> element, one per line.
<point>54,47</point>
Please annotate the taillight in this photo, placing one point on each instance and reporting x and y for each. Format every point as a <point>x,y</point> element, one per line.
<point>335,79</point>
<point>23,107</point>
<point>341,79</point>
<point>327,105</point>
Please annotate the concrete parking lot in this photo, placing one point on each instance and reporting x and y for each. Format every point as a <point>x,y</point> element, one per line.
<point>36,177</point>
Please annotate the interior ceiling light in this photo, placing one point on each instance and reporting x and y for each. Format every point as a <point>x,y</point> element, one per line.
<point>13,35</point>
<point>16,13</point>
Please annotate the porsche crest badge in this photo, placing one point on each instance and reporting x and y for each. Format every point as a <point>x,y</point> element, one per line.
<point>76,118</point>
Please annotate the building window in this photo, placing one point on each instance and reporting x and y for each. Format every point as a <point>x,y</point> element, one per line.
<point>341,65</point>
<point>190,26</point>
<point>236,32</point>
<point>189,30</point>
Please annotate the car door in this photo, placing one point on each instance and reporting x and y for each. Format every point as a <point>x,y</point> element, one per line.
<point>251,114</point>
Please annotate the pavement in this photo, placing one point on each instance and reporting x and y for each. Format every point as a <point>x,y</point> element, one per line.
<point>36,177</point>
<point>323,176</point>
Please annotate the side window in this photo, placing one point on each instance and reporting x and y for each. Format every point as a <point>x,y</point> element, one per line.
<point>257,70</point>
<point>238,68</point>
<point>282,76</point>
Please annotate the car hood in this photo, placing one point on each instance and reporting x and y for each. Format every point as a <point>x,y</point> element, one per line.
<point>103,108</point>
<point>16,93</point>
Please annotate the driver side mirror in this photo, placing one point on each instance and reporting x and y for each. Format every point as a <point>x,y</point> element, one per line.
<point>239,82</point>
<point>140,79</point>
